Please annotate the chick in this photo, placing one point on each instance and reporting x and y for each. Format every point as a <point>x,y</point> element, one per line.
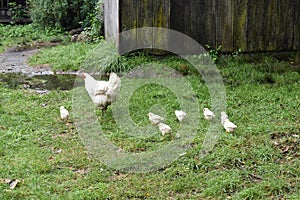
<point>208,114</point>
<point>155,119</point>
<point>64,113</point>
<point>164,128</point>
<point>180,115</point>
<point>229,126</point>
<point>223,117</point>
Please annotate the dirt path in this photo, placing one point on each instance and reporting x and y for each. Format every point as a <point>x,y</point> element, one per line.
<point>13,61</point>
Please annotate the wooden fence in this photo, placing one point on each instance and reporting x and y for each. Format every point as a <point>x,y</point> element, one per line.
<point>252,25</point>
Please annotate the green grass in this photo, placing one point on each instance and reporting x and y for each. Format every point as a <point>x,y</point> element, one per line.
<point>26,36</point>
<point>99,56</point>
<point>63,57</point>
<point>262,99</point>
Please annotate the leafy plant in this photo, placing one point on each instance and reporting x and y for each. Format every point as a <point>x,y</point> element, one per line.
<point>214,53</point>
<point>62,14</point>
<point>66,14</point>
<point>236,53</point>
<point>18,11</point>
<point>94,22</point>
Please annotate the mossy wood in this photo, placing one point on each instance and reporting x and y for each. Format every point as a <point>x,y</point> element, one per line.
<point>252,25</point>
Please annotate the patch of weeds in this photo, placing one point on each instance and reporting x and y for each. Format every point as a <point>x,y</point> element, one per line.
<point>26,35</point>
<point>214,53</point>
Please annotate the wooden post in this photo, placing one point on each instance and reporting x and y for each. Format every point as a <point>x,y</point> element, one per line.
<point>111,17</point>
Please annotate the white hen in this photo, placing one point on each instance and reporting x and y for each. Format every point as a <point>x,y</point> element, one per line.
<point>64,113</point>
<point>164,128</point>
<point>114,84</point>
<point>180,115</point>
<point>223,117</point>
<point>208,114</point>
<point>103,93</point>
<point>229,126</point>
<point>155,119</point>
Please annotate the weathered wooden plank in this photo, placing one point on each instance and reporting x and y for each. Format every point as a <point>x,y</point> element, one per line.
<point>191,25</point>
<point>256,24</point>
<point>239,23</point>
<point>187,24</point>
<point>177,20</point>
<point>195,18</point>
<point>285,25</point>
<point>224,25</point>
<point>296,40</point>
<point>161,19</point>
<point>128,21</point>
<point>161,13</point>
<point>203,22</point>
<point>181,20</point>
<point>252,25</point>
<point>111,21</point>
<point>128,9</point>
<point>145,19</point>
<point>176,15</point>
<point>111,18</point>
<point>271,24</point>
<point>187,17</point>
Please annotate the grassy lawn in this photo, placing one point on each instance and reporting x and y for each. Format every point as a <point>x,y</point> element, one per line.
<point>259,161</point>
<point>59,59</point>
<point>27,36</point>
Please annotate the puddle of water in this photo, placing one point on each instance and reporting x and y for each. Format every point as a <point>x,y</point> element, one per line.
<point>38,82</point>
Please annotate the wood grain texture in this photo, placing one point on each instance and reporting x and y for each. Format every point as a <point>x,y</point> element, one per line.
<point>161,19</point>
<point>111,17</point>
<point>145,19</point>
<point>177,23</point>
<point>224,35</point>
<point>285,30</point>
<point>252,25</point>
<point>296,39</point>
<point>128,13</point>
<point>256,25</point>
<point>240,25</point>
